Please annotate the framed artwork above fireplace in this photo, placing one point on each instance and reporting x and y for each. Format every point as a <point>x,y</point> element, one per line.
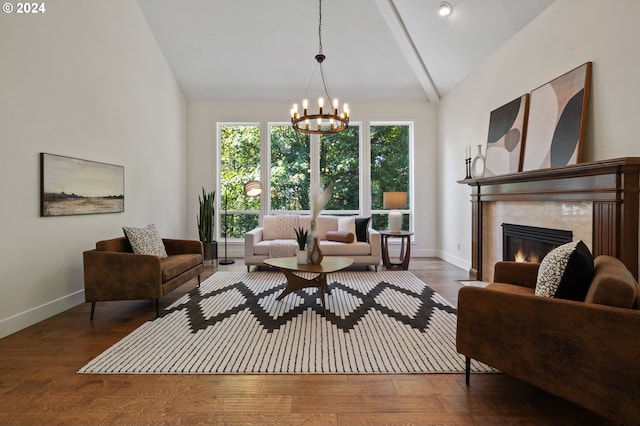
<point>507,128</point>
<point>557,116</point>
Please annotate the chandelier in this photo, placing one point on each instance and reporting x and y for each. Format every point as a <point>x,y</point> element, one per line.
<point>326,120</point>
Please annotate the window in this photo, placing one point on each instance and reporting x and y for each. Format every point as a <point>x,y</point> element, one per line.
<point>290,172</point>
<point>340,163</point>
<point>292,160</point>
<point>239,153</point>
<point>390,169</point>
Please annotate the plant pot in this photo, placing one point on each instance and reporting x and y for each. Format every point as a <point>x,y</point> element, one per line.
<point>302,257</point>
<point>210,250</point>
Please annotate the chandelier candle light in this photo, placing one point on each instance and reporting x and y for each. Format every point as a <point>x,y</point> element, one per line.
<point>328,120</point>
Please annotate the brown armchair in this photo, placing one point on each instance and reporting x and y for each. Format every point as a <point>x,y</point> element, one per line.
<point>586,352</point>
<point>113,272</point>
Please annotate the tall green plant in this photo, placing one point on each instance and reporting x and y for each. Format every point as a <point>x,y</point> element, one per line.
<point>206,216</point>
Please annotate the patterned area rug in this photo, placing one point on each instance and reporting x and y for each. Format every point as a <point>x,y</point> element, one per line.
<point>384,322</point>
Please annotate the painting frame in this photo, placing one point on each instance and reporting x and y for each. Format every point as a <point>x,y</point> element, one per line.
<point>557,120</point>
<point>71,186</point>
<point>506,137</point>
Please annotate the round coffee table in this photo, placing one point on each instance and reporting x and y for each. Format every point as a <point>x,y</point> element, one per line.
<point>289,265</point>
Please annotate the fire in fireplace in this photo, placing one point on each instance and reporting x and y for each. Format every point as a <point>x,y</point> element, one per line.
<point>523,243</point>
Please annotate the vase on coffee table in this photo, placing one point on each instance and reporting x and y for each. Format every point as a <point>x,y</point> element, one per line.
<point>313,246</point>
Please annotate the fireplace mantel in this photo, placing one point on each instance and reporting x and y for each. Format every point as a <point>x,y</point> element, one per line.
<point>613,186</point>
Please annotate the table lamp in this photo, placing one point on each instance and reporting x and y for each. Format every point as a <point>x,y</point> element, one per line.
<point>395,201</point>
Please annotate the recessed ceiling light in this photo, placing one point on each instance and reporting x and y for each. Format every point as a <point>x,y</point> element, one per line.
<point>445,9</point>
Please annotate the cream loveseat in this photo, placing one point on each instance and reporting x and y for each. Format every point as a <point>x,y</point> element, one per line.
<point>277,238</point>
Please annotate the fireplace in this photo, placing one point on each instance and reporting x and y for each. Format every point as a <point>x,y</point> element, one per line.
<point>607,191</point>
<point>530,243</point>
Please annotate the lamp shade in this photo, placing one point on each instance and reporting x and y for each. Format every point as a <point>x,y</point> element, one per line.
<point>394,200</point>
<point>253,188</point>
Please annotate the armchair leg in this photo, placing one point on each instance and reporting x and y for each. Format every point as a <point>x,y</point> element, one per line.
<point>93,309</point>
<point>198,280</point>
<point>467,369</point>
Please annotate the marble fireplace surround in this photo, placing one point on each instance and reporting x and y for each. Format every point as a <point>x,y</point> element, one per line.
<point>598,201</point>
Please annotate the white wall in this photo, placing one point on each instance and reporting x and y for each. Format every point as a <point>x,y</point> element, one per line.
<point>566,35</point>
<point>202,118</point>
<point>85,79</point>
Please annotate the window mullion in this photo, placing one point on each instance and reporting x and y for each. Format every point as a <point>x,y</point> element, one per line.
<point>314,160</point>
<point>365,169</point>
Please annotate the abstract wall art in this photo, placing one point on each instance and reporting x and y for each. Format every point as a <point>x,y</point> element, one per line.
<point>507,129</point>
<point>557,117</point>
<point>70,186</point>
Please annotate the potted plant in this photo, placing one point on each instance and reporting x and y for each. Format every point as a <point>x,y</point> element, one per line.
<point>301,237</point>
<point>206,218</point>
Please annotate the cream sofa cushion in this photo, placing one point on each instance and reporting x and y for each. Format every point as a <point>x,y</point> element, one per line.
<point>280,227</point>
<point>324,224</point>
<point>347,224</point>
<point>332,248</point>
<point>305,222</point>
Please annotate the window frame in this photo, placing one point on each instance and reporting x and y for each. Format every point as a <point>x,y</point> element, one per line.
<point>410,191</point>
<point>365,199</point>
<point>220,210</point>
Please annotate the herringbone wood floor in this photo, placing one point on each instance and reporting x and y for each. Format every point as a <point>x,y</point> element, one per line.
<point>39,386</point>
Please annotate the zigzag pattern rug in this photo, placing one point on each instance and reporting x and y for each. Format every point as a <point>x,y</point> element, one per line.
<point>384,322</point>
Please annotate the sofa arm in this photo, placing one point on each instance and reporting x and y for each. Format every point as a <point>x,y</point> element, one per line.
<point>374,242</point>
<point>173,246</point>
<point>583,352</point>
<point>518,273</point>
<point>251,238</point>
<point>121,276</point>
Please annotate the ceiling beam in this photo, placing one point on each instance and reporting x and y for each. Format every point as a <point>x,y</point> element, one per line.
<point>408,48</point>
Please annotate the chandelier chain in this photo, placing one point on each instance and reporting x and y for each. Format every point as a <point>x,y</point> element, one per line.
<point>324,82</point>
<point>320,25</point>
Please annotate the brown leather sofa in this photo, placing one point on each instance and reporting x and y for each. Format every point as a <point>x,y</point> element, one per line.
<point>586,352</point>
<point>113,272</point>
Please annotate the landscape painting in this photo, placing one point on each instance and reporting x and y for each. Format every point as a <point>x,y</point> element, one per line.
<point>71,186</point>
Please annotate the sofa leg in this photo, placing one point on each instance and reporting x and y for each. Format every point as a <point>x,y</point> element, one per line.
<point>157,308</point>
<point>198,280</point>
<point>93,309</point>
<point>467,369</point>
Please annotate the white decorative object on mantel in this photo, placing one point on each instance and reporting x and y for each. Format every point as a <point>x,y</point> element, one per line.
<point>477,165</point>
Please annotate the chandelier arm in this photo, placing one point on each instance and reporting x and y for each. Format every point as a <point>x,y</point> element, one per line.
<point>324,83</point>
<point>311,80</point>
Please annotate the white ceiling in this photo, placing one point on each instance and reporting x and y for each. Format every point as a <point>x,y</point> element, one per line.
<point>375,49</point>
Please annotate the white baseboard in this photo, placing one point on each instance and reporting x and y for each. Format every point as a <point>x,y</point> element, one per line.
<point>417,253</point>
<point>34,315</point>
<point>454,260</point>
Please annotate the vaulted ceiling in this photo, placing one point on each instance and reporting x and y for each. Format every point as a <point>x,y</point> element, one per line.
<point>376,49</point>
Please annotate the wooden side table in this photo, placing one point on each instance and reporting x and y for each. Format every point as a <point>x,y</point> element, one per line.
<point>405,253</point>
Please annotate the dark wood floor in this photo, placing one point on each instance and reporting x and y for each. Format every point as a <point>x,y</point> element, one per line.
<point>39,384</point>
